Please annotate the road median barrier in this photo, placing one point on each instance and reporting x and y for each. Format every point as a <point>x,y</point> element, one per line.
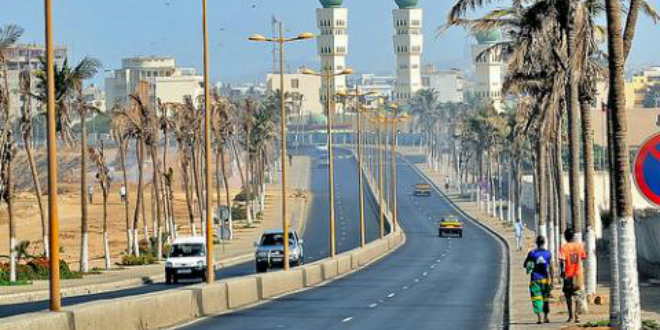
<point>212,298</point>
<point>312,275</point>
<point>37,321</point>
<point>343,263</point>
<point>329,269</point>
<point>278,283</point>
<point>242,291</point>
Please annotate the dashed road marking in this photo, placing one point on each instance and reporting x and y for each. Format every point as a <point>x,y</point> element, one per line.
<point>391,295</point>
<point>348,319</point>
<point>374,305</point>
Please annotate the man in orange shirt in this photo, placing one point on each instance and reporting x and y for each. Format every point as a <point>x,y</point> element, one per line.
<point>571,256</point>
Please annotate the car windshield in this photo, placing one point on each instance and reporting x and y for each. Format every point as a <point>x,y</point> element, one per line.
<point>275,239</point>
<point>187,250</point>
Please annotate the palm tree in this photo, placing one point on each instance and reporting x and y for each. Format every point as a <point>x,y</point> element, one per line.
<point>424,106</point>
<point>68,88</point>
<point>223,129</point>
<point>122,135</point>
<point>103,176</point>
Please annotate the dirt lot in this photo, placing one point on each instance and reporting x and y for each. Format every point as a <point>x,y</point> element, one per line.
<point>29,224</point>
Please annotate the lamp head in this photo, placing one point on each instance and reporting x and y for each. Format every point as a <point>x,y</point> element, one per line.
<point>306,70</point>
<point>347,71</point>
<point>306,35</point>
<point>257,37</point>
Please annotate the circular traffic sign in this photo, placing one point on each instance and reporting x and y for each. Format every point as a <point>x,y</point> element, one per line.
<point>647,170</point>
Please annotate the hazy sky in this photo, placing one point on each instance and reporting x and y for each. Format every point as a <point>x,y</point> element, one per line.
<point>112,29</point>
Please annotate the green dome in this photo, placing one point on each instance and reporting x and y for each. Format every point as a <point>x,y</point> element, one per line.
<point>488,37</point>
<point>406,4</point>
<point>331,3</point>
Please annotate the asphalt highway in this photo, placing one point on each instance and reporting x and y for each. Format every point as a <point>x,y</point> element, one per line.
<point>429,283</point>
<point>316,235</point>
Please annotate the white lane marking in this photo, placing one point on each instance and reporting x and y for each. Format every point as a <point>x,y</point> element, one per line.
<point>374,305</point>
<point>432,266</point>
<point>405,288</point>
<point>439,260</point>
<point>348,319</point>
<point>416,280</point>
<point>425,274</point>
<point>391,295</point>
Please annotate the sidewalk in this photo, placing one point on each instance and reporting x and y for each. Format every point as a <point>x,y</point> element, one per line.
<point>521,316</point>
<point>228,253</point>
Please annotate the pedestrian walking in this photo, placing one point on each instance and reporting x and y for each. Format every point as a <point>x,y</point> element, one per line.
<point>539,266</point>
<point>290,159</point>
<point>122,193</point>
<point>90,193</point>
<point>519,227</point>
<point>571,255</point>
<point>446,183</point>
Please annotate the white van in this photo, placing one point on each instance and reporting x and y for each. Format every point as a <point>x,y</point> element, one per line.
<point>187,259</point>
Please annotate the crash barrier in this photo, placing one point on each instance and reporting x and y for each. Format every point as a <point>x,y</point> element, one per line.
<point>174,307</point>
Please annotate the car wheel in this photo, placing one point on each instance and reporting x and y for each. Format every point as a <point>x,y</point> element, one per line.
<point>168,279</point>
<point>261,268</point>
<point>175,280</point>
<point>204,277</point>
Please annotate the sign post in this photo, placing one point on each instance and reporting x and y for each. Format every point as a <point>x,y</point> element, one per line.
<point>647,170</point>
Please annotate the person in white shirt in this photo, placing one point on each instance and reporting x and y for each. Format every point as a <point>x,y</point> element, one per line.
<point>520,229</point>
<point>122,193</point>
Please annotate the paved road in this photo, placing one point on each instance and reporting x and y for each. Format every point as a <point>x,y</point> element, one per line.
<point>315,236</point>
<point>429,283</point>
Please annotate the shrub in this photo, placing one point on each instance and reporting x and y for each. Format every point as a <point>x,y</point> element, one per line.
<point>132,260</point>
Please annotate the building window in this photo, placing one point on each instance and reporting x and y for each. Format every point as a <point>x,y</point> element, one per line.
<point>426,82</point>
<point>415,22</point>
<point>295,83</point>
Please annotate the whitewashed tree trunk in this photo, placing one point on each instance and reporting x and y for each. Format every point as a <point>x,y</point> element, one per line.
<point>46,246</point>
<point>136,242</point>
<point>12,259</point>
<point>590,265</point>
<point>159,243</point>
<point>551,239</point>
<point>542,231</point>
<point>129,234</point>
<point>615,301</point>
<point>629,282</point>
<point>84,267</point>
<point>194,229</point>
<point>106,250</point>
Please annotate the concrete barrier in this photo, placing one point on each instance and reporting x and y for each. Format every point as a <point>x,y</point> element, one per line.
<point>242,291</point>
<point>36,321</point>
<point>329,269</point>
<point>312,275</point>
<point>343,264</point>
<point>211,299</point>
<point>355,259</point>
<point>150,311</point>
<point>277,283</point>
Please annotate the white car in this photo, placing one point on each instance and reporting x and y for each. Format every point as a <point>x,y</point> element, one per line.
<point>187,259</point>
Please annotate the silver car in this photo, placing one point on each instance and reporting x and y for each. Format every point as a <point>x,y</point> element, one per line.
<point>270,250</point>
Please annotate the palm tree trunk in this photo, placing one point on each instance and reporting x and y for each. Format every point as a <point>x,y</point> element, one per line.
<point>543,190</point>
<point>159,205</point>
<point>129,228</point>
<point>27,141</point>
<point>189,199</point>
<point>227,194</point>
<point>590,235</point>
<point>559,177</point>
<point>139,148</point>
<point>630,299</point>
<point>615,301</point>
<point>106,240</point>
<point>9,199</point>
<point>84,228</point>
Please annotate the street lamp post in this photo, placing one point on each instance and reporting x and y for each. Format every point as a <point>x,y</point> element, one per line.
<point>53,213</point>
<point>328,74</point>
<point>358,111</point>
<point>281,40</point>
<point>207,150</point>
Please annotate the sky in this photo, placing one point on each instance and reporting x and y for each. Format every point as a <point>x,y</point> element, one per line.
<point>113,29</point>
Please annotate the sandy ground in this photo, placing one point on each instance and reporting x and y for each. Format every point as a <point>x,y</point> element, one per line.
<point>28,221</point>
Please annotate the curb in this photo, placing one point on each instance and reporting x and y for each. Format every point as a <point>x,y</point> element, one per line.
<point>506,277</point>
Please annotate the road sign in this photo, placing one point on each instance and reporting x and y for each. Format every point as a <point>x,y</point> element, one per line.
<point>647,170</point>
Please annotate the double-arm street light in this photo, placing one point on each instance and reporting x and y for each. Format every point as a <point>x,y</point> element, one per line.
<point>281,40</point>
<point>358,111</point>
<point>328,74</point>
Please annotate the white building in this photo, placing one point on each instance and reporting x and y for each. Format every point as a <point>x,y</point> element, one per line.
<point>332,43</point>
<point>95,96</point>
<point>408,46</point>
<point>489,69</point>
<point>306,85</point>
<point>448,84</point>
<point>26,57</point>
<point>166,81</point>
<point>372,83</point>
